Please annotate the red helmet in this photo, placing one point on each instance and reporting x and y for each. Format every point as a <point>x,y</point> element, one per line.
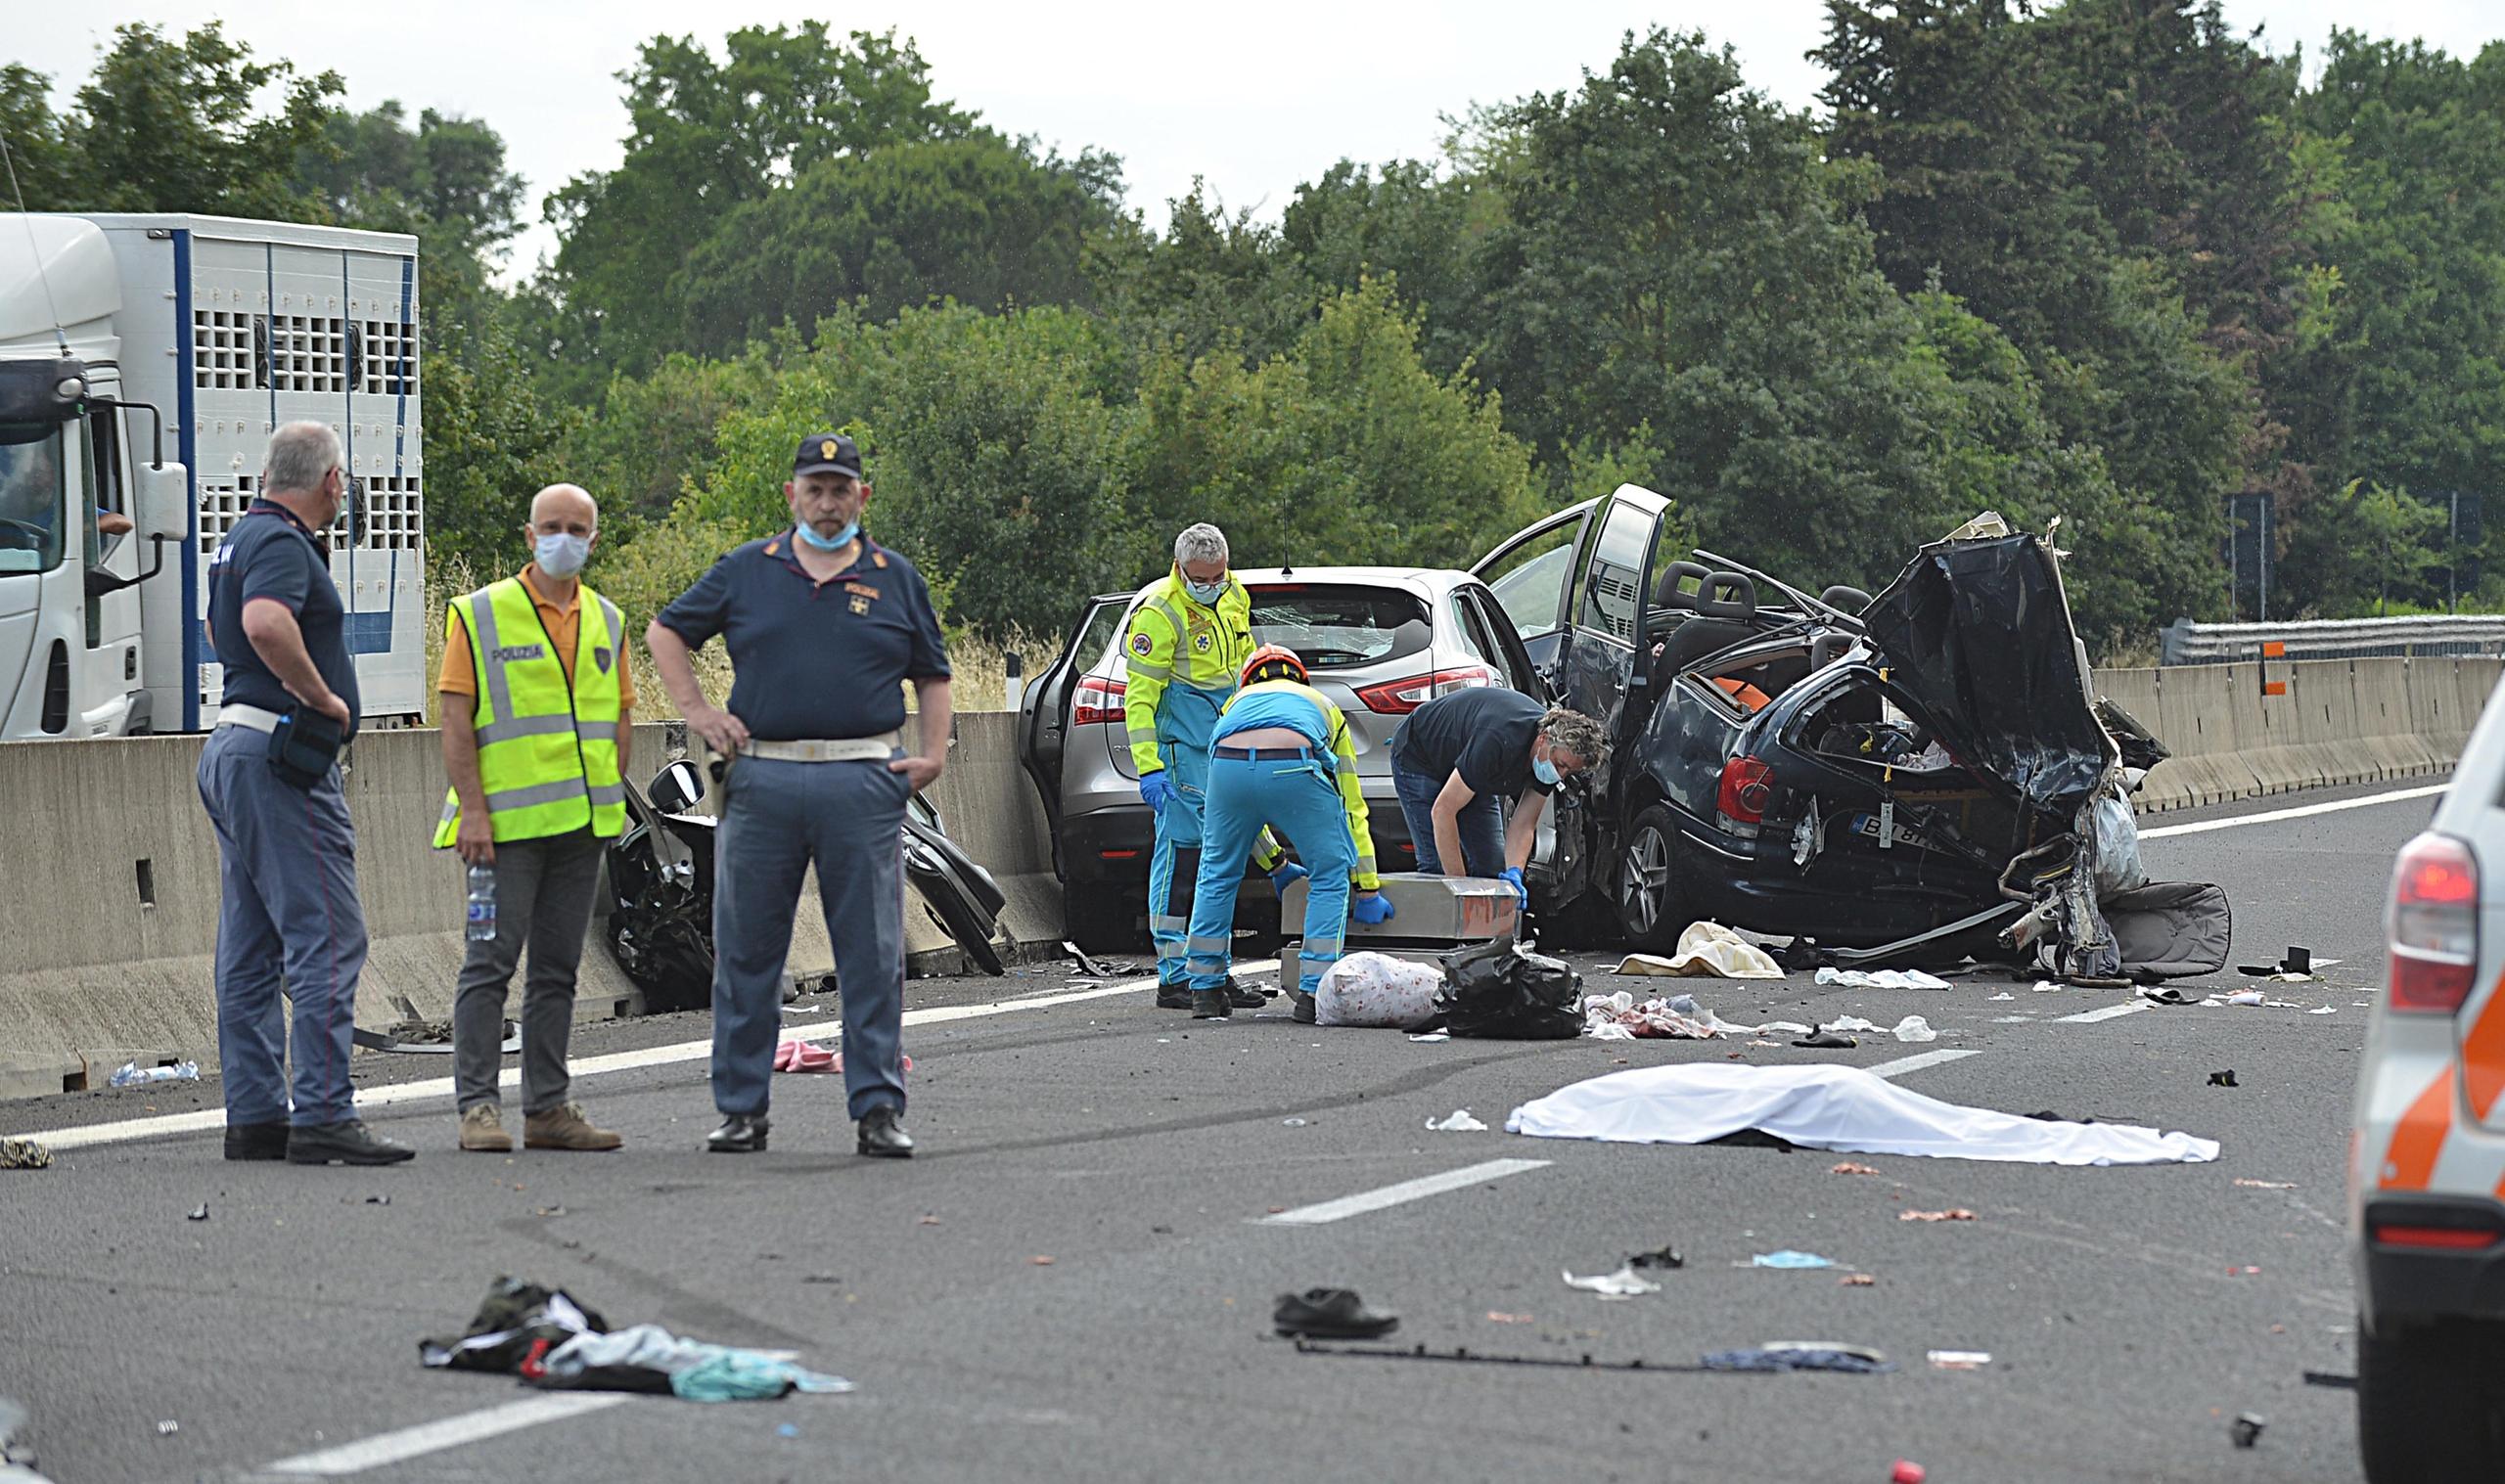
<point>1277,658</point>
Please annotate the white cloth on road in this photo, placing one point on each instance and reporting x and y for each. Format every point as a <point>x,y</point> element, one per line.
<point>1828,1106</point>
<point>1707,950</point>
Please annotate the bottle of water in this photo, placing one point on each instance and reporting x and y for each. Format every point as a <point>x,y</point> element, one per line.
<point>482,904</point>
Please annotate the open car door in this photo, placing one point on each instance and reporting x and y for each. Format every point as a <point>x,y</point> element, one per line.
<point>1043,712</point>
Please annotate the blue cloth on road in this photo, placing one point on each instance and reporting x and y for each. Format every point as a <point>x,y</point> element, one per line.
<point>1300,800</point>
<point>778,818</point>
<point>1482,823</point>
<point>287,912</point>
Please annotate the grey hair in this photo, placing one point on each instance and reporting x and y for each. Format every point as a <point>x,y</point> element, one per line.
<point>299,455</point>
<point>1573,731</point>
<point>1201,543</point>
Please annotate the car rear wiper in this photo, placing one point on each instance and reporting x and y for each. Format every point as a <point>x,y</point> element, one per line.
<point>1788,590</point>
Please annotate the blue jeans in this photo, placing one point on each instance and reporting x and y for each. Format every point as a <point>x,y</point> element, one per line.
<point>287,911</point>
<point>1301,800</point>
<point>778,818</point>
<point>1482,823</point>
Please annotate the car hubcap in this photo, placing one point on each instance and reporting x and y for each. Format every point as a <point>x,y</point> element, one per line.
<point>1648,873</point>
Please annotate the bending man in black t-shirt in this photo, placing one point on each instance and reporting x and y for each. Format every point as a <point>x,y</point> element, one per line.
<point>1458,755</point>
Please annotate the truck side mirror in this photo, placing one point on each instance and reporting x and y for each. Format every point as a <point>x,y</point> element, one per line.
<point>164,501</point>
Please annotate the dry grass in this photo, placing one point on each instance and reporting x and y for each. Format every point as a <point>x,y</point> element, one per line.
<point>981,668</point>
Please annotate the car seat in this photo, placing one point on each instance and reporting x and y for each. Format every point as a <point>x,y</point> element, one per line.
<point>1723,608</point>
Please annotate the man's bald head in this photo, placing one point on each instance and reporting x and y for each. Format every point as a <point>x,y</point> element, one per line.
<point>563,510</point>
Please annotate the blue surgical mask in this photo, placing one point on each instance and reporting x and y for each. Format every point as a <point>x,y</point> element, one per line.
<point>1205,597</point>
<point>835,543</point>
<point>1545,771</point>
<point>561,555</point>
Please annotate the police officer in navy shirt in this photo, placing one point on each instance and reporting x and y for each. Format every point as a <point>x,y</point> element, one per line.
<point>288,911</point>
<point>823,626</point>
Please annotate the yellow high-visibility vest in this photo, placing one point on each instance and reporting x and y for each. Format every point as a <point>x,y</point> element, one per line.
<point>547,745</point>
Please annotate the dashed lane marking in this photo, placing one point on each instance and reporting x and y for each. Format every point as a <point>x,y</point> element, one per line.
<point>1398,1194</point>
<point>1918,1060</point>
<point>2103,1012</point>
<point>387,1447</point>
<point>2302,811</point>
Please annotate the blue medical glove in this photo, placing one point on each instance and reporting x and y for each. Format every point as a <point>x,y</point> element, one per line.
<point>1373,907</point>
<point>1288,871</point>
<point>1513,876</point>
<point>1155,790</point>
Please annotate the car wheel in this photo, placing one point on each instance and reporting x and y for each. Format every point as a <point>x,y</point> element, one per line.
<point>2427,1404</point>
<point>1103,917</point>
<point>1650,904</point>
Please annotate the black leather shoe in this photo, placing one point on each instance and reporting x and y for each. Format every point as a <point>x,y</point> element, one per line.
<point>1331,1314</point>
<point>882,1135</point>
<point>1212,1005</point>
<point>740,1133</point>
<point>1174,997</point>
<point>256,1140</point>
<point>347,1143</point>
<point>1244,999</point>
<point>1303,1006</point>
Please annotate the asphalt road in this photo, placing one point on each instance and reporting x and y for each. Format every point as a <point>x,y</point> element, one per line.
<point>1075,1281</point>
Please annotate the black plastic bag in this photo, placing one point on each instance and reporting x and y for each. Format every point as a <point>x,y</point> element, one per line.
<point>1502,990</point>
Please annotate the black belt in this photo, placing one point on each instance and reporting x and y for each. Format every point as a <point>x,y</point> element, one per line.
<point>1266,754</point>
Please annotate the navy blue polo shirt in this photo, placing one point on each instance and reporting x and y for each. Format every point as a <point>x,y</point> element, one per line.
<point>1483,733</point>
<point>271,554</point>
<point>813,659</point>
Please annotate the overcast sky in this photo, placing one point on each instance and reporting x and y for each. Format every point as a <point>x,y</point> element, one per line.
<point>1256,98</point>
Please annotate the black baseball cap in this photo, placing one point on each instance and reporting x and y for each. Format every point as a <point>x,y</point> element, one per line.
<point>827,453</point>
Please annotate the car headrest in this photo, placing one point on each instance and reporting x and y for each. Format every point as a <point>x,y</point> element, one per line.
<point>1728,594</point>
<point>1680,585</point>
<point>1828,648</point>
<point>1845,600</point>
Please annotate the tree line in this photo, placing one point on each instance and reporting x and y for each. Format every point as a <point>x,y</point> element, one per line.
<point>2107,261</point>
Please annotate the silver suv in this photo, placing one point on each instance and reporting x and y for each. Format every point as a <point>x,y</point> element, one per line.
<point>1379,640</point>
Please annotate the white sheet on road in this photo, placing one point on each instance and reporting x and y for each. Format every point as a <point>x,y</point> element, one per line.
<point>1828,1106</point>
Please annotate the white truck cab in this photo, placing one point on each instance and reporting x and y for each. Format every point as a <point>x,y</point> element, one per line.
<point>122,334</point>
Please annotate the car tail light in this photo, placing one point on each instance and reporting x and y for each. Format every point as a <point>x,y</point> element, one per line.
<point>1396,698</point>
<point>2434,925</point>
<point>1747,783</point>
<point>1098,701</point>
<point>2442,1238</point>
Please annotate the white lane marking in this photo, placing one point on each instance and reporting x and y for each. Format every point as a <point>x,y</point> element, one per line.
<point>126,1130</point>
<point>1918,1060</point>
<point>388,1447</point>
<point>2103,1012</point>
<point>1395,1194</point>
<point>2305,811</point>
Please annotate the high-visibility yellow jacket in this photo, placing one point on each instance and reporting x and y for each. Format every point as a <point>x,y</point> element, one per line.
<point>1329,730</point>
<point>1181,660</point>
<point>547,745</point>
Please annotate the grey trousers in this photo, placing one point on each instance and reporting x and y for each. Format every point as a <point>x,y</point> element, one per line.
<point>778,818</point>
<point>544,901</point>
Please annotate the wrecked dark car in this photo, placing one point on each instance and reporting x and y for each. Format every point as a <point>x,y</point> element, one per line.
<point>1841,769</point>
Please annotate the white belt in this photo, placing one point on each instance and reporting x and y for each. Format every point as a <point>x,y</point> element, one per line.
<point>248,716</point>
<point>849,750</point>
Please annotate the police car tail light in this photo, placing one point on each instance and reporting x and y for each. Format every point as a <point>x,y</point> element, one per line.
<point>1098,701</point>
<point>1396,698</point>
<point>2434,925</point>
<point>1747,783</point>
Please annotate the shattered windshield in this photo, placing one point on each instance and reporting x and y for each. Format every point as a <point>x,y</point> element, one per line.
<point>30,497</point>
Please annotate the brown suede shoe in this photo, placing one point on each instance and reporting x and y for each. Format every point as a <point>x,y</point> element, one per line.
<point>564,1127</point>
<point>482,1130</point>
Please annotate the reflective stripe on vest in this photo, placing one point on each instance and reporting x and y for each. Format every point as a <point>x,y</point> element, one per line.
<point>547,745</point>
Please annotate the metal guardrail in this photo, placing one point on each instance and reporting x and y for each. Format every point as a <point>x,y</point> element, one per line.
<point>2429,636</point>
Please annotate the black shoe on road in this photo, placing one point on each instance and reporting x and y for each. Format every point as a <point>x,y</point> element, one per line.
<point>1244,999</point>
<point>740,1133</point>
<point>1331,1314</point>
<point>1174,997</point>
<point>1212,1005</point>
<point>256,1140</point>
<point>347,1143</point>
<point>882,1135</point>
<point>1303,1008</point>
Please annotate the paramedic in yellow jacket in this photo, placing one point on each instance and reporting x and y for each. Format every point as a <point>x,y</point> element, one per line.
<point>1182,652</point>
<point>1281,755</point>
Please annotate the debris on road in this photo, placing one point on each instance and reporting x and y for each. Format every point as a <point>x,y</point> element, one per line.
<point>1852,1358</point>
<point>1502,990</point>
<point>543,1337</point>
<point>169,1428</point>
<point>1099,968</point>
<point>1828,1107</point>
<point>1664,1257</point>
<point>1378,991</point>
<point>1294,1123</point>
<point>2242,997</point>
<point>1432,1035</point>
<point>1788,1258</point>
<point>2004,996</point>
<point>2331,1379</point>
<point>1958,1360</point>
<point>2166,995</point>
<point>796,1055</point>
<point>2245,1430</point>
<point>1856,1280</point>
<point>1954,1213</point>
<point>24,1155</point>
<point>2265,1185</point>
<point>1458,1121</point>
<point>1331,1314</point>
<point>1848,1167</point>
<point>199,1212</point>
<point>1040,1261</point>
<point>1881,979</point>
<point>1906,1472</point>
<point>1826,1040</point>
<point>1625,1282</point>
<point>2324,1010</point>
<point>2296,964</point>
<point>1707,950</point>
<point>1915,1028</point>
<point>1508,1319</point>
<point>132,1074</point>
<point>1680,1017</point>
<point>2224,1079</point>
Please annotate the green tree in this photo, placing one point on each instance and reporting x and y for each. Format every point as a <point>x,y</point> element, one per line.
<point>492,444</point>
<point>2367,547</point>
<point>42,151</point>
<point>173,127</point>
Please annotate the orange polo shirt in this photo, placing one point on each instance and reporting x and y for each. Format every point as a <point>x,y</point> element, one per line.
<point>564,630</point>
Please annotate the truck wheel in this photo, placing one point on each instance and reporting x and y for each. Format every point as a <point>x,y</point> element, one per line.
<point>2427,1404</point>
<point>1103,917</point>
<point>1650,902</point>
